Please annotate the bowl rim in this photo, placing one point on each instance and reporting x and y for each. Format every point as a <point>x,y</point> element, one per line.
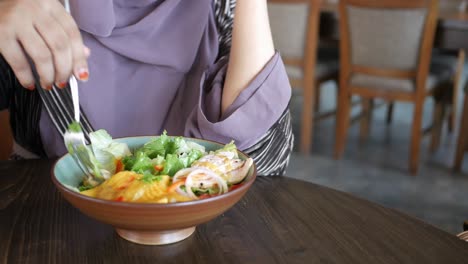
<point>78,195</point>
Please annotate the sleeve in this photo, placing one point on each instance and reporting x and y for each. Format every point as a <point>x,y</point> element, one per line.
<point>257,108</point>
<point>5,84</point>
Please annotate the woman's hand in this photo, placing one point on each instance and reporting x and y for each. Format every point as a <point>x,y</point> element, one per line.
<point>49,35</point>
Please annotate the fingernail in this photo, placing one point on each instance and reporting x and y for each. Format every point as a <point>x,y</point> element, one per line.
<point>83,74</point>
<point>61,84</point>
<point>48,87</point>
<point>30,87</point>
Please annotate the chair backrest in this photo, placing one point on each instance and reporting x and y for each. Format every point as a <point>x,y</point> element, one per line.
<point>294,25</point>
<point>387,38</point>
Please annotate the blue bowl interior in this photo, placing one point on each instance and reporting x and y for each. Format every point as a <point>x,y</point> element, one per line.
<point>67,172</point>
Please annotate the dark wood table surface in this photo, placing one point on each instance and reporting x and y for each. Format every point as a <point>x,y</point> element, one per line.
<point>280,220</point>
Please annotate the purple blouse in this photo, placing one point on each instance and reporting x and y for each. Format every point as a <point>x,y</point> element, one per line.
<point>153,67</point>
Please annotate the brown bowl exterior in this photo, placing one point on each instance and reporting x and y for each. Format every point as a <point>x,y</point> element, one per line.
<point>154,217</point>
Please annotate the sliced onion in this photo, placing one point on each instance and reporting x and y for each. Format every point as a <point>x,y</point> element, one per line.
<point>188,187</point>
<point>181,174</point>
<point>228,154</point>
<point>222,184</point>
<point>190,182</point>
<point>181,192</point>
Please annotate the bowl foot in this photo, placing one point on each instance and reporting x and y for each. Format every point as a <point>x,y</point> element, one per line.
<point>155,237</point>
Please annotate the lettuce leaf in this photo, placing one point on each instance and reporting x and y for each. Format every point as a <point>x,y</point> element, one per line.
<point>149,178</point>
<point>107,151</point>
<point>230,147</point>
<point>159,160</point>
<point>143,164</point>
<point>172,165</point>
<point>156,147</point>
<point>163,155</point>
<point>129,162</point>
<point>192,156</point>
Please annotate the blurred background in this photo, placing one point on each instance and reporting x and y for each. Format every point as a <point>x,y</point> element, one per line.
<point>376,162</point>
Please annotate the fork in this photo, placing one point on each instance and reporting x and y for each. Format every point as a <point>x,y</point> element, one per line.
<point>74,138</point>
<point>75,141</point>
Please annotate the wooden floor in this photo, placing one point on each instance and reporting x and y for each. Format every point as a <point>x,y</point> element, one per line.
<point>377,169</point>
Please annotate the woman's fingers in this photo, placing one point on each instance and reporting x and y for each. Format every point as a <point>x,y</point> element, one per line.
<point>9,46</point>
<point>16,58</point>
<point>41,56</point>
<point>48,35</point>
<point>78,50</point>
<point>59,47</point>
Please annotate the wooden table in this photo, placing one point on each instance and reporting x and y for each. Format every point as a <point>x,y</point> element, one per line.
<point>280,220</point>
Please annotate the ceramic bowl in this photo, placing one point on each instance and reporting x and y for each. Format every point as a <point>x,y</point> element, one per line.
<point>150,224</point>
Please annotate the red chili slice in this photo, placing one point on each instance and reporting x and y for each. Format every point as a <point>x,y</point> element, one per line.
<point>119,166</point>
<point>233,187</point>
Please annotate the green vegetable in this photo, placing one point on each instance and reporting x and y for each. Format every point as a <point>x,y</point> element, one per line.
<point>193,155</point>
<point>85,154</point>
<point>169,153</point>
<point>74,127</point>
<point>129,162</point>
<point>230,147</point>
<point>157,147</point>
<point>172,165</point>
<point>143,164</point>
<point>84,187</point>
<point>210,191</point>
<point>149,178</point>
<point>159,160</point>
<point>107,151</point>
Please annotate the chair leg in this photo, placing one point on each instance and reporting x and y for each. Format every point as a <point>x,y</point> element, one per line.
<point>416,136</point>
<point>451,122</point>
<point>456,87</point>
<point>307,118</point>
<point>367,109</point>
<point>438,121</point>
<point>342,122</point>
<point>462,144</point>
<point>318,91</point>
<point>390,112</point>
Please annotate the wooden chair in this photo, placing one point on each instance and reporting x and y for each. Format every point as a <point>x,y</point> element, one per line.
<point>385,52</point>
<point>295,29</point>
<point>462,143</point>
<point>6,140</point>
<point>450,64</point>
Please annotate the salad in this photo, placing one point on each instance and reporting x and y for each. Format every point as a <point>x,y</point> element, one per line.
<point>164,170</point>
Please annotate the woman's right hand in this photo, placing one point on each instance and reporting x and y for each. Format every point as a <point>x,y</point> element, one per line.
<point>49,35</point>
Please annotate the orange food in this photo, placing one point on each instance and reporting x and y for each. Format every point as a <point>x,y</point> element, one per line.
<point>119,166</point>
<point>175,185</point>
<point>127,186</point>
<point>158,167</point>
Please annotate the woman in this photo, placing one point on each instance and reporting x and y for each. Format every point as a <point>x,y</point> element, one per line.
<point>154,65</point>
